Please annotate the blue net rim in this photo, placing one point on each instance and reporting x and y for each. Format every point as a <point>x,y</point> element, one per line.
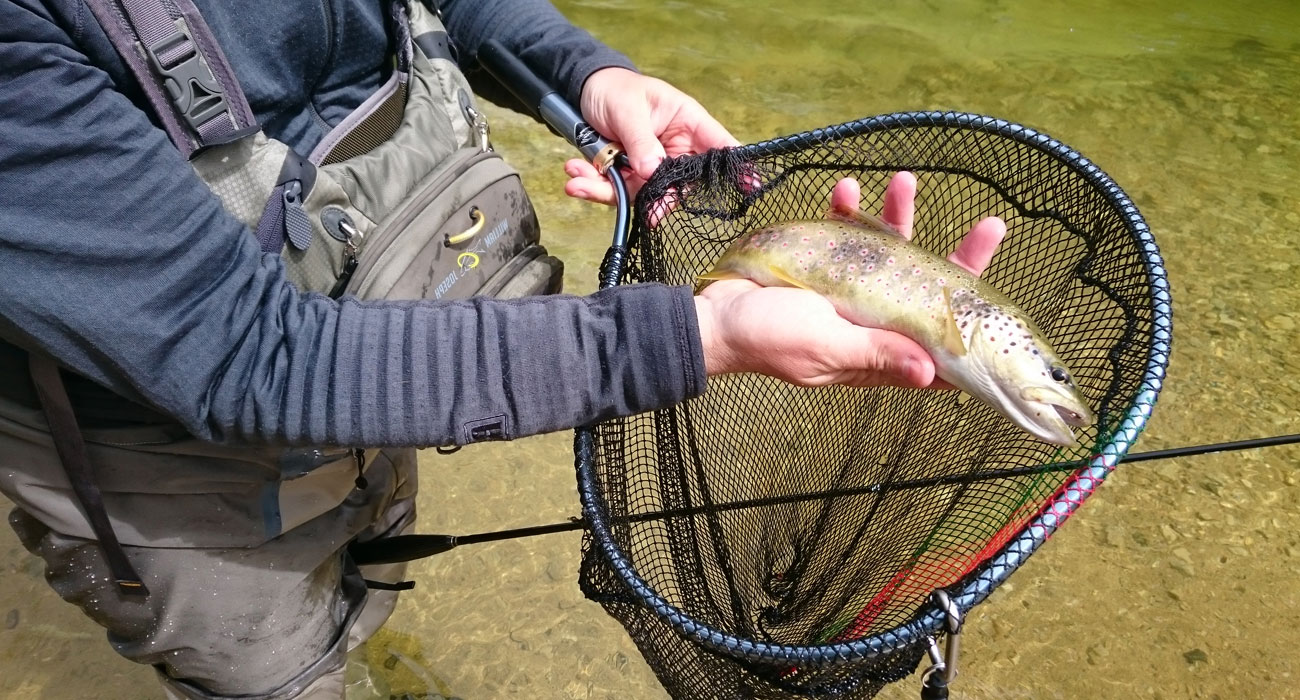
<point>1078,487</point>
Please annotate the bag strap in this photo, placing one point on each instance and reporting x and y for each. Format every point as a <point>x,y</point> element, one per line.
<point>181,68</point>
<point>68,443</point>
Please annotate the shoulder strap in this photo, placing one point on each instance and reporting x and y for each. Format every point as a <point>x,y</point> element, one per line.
<point>66,435</point>
<point>181,68</point>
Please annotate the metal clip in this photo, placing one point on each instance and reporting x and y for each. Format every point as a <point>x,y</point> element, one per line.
<point>943,668</point>
<point>351,253</point>
<point>188,79</point>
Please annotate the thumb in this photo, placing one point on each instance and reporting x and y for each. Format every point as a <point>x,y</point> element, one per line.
<point>893,357</point>
<point>637,135</point>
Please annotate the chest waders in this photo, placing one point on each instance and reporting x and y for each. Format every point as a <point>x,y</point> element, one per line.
<point>404,199</point>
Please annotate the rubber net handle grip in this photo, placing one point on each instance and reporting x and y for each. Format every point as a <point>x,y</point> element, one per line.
<point>541,99</point>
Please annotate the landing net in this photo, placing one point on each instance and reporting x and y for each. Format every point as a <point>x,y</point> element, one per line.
<point>770,541</point>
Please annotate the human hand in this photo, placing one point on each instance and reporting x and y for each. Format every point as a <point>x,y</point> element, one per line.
<point>650,118</point>
<point>796,335</point>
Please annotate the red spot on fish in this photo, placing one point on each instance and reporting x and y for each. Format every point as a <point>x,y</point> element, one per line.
<point>925,286</point>
<point>785,244</point>
<point>916,271</point>
<point>852,267</point>
<point>830,244</point>
<point>890,261</point>
<point>986,325</point>
<point>898,274</point>
<point>864,251</point>
<point>805,239</point>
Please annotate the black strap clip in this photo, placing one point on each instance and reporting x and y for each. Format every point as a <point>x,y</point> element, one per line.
<point>189,81</point>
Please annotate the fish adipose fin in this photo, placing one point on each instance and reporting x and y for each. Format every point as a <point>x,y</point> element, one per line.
<point>951,333</point>
<point>861,218</point>
<point>781,275</point>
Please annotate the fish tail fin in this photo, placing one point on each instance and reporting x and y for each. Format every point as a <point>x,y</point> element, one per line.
<point>861,218</point>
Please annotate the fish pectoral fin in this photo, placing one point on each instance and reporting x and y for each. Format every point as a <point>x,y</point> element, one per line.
<point>861,218</point>
<point>952,340</point>
<point>715,275</point>
<point>785,277</point>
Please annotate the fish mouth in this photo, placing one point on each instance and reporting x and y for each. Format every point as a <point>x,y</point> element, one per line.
<point>1050,413</point>
<point>1072,417</point>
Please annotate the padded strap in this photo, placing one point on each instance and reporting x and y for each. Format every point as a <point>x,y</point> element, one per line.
<point>72,453</point>
<point>186,77</point>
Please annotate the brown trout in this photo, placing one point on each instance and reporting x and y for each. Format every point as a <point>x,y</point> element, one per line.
<point>980,341</point>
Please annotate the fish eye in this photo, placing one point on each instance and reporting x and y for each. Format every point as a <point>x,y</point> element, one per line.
<point>1060,375</point>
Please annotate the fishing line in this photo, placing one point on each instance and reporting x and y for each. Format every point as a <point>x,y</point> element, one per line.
<point>410,547</point>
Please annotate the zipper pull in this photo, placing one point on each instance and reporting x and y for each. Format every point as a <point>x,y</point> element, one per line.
<point>351,253</point>
<point>477,121</point>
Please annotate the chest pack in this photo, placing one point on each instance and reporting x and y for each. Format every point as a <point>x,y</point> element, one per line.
<point>403,199</point>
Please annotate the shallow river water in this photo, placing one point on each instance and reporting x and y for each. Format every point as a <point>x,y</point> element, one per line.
<point>1179,579</point>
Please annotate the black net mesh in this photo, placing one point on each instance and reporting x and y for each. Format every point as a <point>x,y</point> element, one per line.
<point>748,538</point>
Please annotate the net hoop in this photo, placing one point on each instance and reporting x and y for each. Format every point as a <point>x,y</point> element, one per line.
<point>1070,496</point>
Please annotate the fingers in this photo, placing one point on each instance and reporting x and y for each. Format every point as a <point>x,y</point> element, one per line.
<point>711,134</point>
<point>900,202</point>
<point>585,183</point>
<point>636,132</point>
<point>661,208</point>
<point>846,197</point>
<point>977,248</point>
<point>872,357</point>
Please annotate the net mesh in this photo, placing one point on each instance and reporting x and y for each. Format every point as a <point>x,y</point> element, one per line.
<point>760,529</point>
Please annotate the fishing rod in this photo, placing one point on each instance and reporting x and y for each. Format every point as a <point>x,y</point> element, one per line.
<point>411,547</point>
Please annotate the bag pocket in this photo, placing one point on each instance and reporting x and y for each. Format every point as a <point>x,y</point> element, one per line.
<point>464,227</point>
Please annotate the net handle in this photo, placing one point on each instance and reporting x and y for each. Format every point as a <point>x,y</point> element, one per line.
<point>1019,548</point>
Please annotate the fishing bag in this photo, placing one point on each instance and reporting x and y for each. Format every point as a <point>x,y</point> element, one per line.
<point>405,199</point>
<point>771,541</point>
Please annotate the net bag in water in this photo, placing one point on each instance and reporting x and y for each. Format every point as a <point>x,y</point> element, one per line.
<point>771,541</point>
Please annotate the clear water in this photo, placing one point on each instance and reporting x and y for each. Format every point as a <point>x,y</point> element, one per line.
<point>1178,580</point>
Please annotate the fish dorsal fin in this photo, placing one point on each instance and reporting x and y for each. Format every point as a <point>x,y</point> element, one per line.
<point>861,218</point>
<point>952,340</point>
<point>785,277</point>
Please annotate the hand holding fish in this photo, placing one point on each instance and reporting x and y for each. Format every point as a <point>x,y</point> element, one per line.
<point>797,336</point>
<point>849,300</point>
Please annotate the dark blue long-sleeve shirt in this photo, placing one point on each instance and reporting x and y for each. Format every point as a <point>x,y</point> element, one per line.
<point>116,259</point>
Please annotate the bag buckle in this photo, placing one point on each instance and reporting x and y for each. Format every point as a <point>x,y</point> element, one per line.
<point>187,78</point>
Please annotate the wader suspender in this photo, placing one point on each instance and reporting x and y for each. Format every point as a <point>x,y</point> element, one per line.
<point>66,435</point>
